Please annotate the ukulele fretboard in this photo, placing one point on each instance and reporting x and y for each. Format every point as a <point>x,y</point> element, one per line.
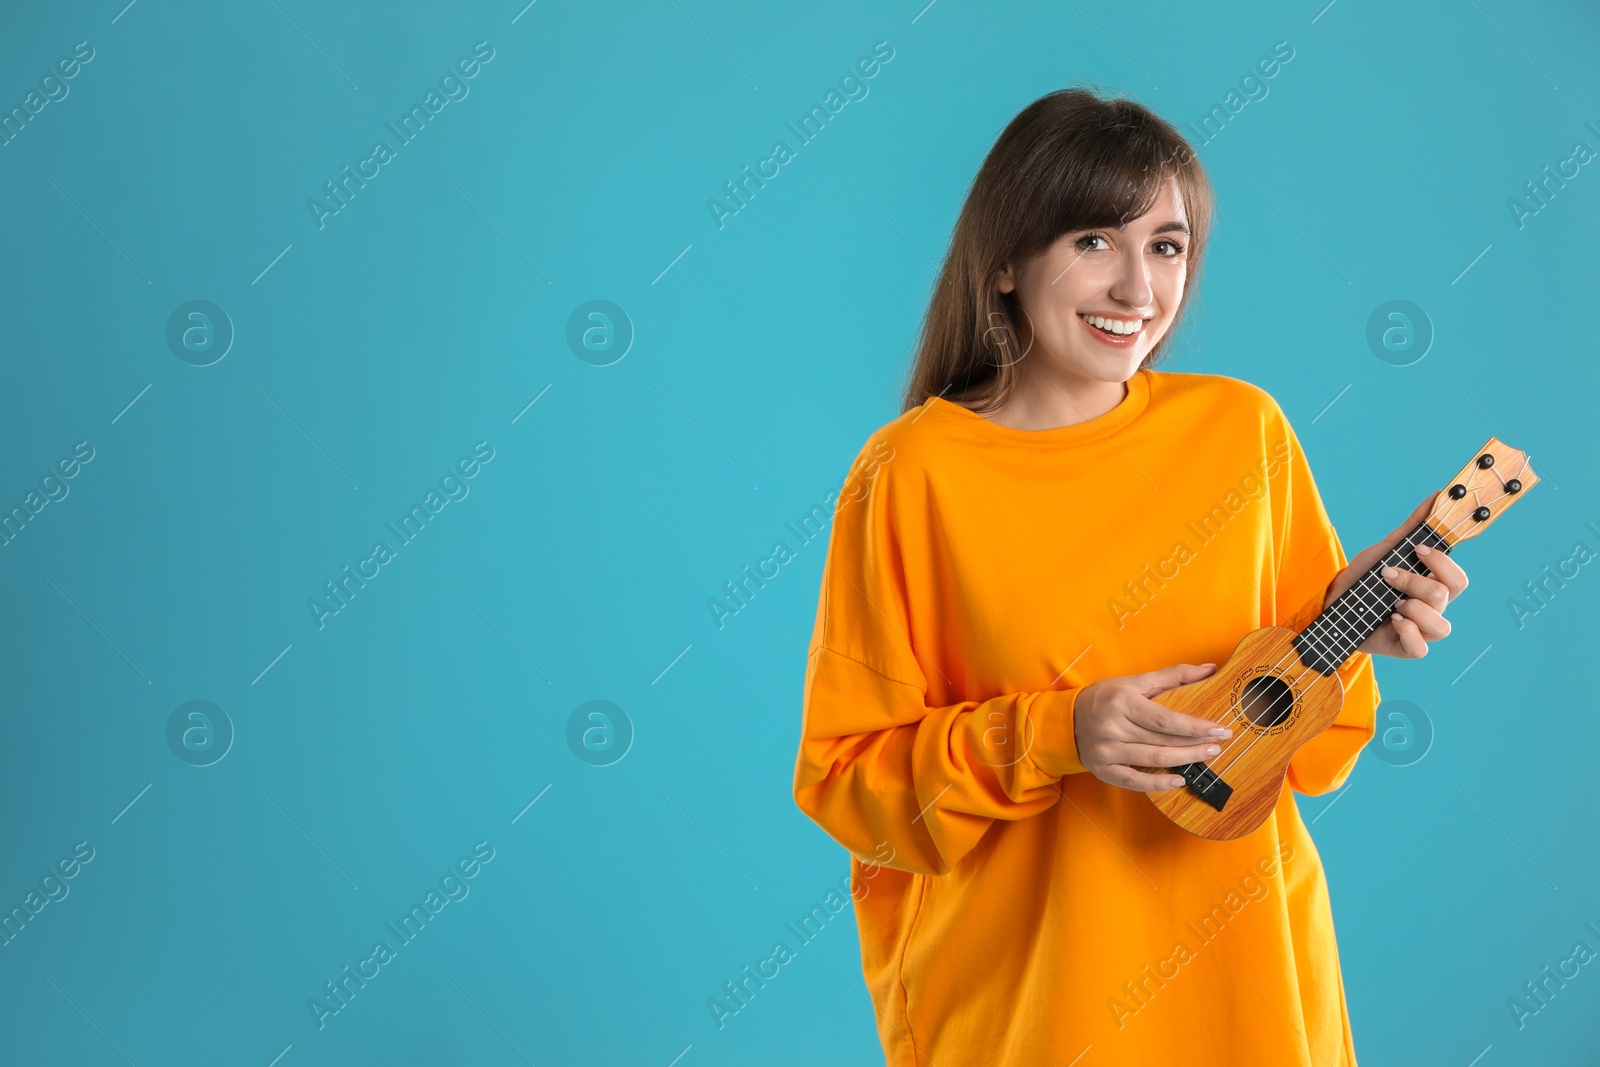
<point>1333,636</point>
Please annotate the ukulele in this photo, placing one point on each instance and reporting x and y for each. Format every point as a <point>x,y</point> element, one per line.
<point>1278,689</point>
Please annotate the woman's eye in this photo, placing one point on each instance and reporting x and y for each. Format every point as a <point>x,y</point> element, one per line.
<point>1088,237</point>
<point>1177,249</point>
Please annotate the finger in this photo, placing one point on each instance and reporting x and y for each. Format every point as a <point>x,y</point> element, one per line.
<point>1128,730</point>
<point>1168,755</point>
<point>1133,733</point>
<point>1138,735</point>
<point>1429,623</point>
<point>1444,569</point>
<point>1409,636</point>
<point>1153,682</point>
<point>1418,587</point>
<point>1368,557</point>
<point>1161,719</point>
<point>1142,781</point>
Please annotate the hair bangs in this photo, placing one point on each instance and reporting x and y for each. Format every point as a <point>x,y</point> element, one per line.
<point>1114,174</point>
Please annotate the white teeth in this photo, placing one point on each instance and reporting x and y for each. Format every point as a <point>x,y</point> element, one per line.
<point>1114,325</point>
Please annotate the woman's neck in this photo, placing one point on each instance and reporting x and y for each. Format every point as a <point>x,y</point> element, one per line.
<point>1048,403</point>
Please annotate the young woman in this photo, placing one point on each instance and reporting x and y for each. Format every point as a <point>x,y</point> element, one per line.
<point>1051,533</point>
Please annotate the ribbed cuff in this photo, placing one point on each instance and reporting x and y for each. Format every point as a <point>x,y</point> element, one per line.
<point>1055,745</point>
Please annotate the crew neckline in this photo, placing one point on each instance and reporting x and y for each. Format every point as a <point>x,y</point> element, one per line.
<point>1126,411</point>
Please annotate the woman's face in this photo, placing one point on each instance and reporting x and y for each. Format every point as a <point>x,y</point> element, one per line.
<point>1127,278</point>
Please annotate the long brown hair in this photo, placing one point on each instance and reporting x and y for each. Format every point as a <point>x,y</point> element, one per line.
<point>1070,160</point>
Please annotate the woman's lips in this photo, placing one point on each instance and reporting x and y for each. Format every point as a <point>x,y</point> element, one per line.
<point>1115,340</point>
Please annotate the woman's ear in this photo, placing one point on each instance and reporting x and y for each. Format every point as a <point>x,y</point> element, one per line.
<point>1006,282</point>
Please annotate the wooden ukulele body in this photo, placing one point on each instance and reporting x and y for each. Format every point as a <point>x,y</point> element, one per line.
<point>1274,704</point>
<point>1273,692</point>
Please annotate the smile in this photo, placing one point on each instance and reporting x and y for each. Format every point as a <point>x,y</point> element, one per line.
<point>1117,332</point>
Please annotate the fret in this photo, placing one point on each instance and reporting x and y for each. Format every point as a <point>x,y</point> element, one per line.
<point>1376,612</point>
<point>1358,612</point>
<point>1380,608</point>
<point>1334,635</point>
<point>1318,639</point>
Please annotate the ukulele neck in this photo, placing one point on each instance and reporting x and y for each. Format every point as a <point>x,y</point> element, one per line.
<point>1333,636</point>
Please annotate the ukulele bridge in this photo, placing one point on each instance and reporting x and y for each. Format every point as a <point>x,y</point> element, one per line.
<point>1204,783</point>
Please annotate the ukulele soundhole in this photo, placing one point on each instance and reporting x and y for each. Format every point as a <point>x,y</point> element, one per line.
<point>1266,701</point>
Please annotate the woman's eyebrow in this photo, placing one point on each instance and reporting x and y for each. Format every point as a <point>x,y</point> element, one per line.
<point>1165,227</point>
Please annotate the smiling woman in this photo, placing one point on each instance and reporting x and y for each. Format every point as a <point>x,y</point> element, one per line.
<point>1060,197</point>
<point>969,700</point>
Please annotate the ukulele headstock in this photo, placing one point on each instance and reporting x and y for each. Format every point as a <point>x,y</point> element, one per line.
<point>1497,477</point>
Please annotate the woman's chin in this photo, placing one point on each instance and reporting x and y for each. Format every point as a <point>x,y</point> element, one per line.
<point>1109,365</point>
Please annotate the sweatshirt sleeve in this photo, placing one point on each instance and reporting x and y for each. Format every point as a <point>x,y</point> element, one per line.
<point>1309,557</point>
<point>879,762</point>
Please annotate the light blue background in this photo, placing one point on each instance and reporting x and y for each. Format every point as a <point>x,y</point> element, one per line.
<point>432,310</point>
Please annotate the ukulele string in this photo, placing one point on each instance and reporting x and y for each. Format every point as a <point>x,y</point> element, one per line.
<point>1236,710</point>
<point>1404,544</point>
<point>1347,614</point>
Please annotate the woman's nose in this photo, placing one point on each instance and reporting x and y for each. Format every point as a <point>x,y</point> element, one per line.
<point>1132,284</point>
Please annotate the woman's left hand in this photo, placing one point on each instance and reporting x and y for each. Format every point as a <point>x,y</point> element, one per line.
<point>1421,608</point>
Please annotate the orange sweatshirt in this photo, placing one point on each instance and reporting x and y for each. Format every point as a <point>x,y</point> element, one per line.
<point>1014,909</point>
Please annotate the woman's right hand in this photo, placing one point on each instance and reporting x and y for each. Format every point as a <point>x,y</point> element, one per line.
<point>1118,728</point>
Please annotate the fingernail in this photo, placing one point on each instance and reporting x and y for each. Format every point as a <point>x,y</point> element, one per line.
<point>1212,750</point>
<point>1221,731</point>
<point>1389,572</point>
<point>1423,550</point>
<point>1175,782</point>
